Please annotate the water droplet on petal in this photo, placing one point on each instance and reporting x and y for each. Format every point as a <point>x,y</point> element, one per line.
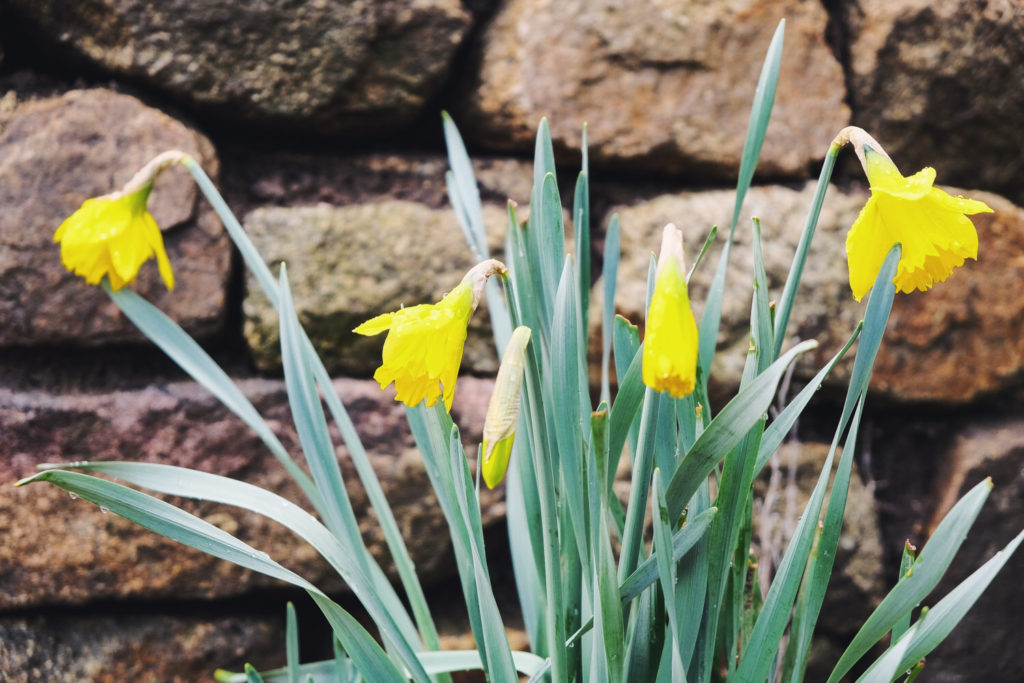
<point>104,510</point>
<point>74,496</point>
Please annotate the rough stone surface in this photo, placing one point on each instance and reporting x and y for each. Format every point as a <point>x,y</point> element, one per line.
<point>55,153</point>
<point>962,339</point>
<point>343,66</point>
<point>112,649</point>
<point>254,178</point>
<point>666,85</point>
<point>346,265</point>
<point>57,550</point>
<point>929,81</point>
<point>780,496</point>
<point>984,647</point>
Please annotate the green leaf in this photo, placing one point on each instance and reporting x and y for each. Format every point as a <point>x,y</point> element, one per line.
<point>610,274</point>
<point>392,536</point>
<point>761,319</point>
<point>380,601</point>
<point>691,596</point>
<point>191,358</point>
<point>609,643</point>
<point>291,640</point>
<point>581,231</point>
<point>252,675</point>
<point>311,425</point>
<point>760,114</point>
<point>776,432</point>
<point>926,572</point>
<point>499,665</point>
<point>180,526</point>
<point>933,627</point>
<point>643,463</point>
<point>524,545</point>
<point>465,199</point>
<point>434,663</point>
<point>647,573</point>
<point>463,192</point>
<point>666,573</point>
<point>446,466</point>
<point>246,248</point>
<point>551,237</point>
<point>708,241</point>
<point>760,656</point>
<point>570,405</point>
<point>682,542</point>
<point>629,398</point>
<point>906,562</point>
<point>783,591</point>
<point>726,430</point>
<point>645,638</point>
<point>711,318</point>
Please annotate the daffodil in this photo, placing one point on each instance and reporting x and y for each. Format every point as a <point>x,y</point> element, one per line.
<point>503,409</point>
<point>113,236</point>
<point>931,225</point>
<point>670,343</point>
<point>423,349</point>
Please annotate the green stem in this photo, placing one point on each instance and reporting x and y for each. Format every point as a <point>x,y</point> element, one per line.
<point>803,247</point>
<point>639,487</point>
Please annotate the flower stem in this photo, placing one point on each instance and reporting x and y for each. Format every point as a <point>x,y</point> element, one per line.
<point>803,247</point>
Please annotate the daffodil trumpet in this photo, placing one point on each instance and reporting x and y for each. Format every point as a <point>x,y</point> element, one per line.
<point>112,236</point>
<point>670,343</point>
<point>503,409</point>
<point>931,225</point>
<point>423,349</point>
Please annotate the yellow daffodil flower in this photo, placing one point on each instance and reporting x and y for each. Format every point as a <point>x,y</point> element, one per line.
<point>113,236</point>
<point>670,343</point>
<point>931,225</point>
<point>423,349</point>
<point>503,409</point>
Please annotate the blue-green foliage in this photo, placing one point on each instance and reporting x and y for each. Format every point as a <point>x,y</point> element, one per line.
<point>598,602</point>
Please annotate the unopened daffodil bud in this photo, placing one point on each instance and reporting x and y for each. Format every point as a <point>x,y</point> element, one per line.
<point>670,342</point>
<point>931,225</point>
<point>503,410</point>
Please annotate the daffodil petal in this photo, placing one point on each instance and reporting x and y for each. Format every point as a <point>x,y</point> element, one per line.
<point>374,326</point>
<point>112,236</point>
<point>932,227</point>
<point>670,344</point>
<point>423,349</point>
<point>496,457</point>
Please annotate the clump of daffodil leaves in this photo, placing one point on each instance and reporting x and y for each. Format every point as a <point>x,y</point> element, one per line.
<point>688,605</point>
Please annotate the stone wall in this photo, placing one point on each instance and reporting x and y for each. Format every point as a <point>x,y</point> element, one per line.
<point>321,122</point>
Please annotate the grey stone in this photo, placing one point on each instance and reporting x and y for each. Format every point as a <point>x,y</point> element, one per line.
<point>348,264</point>
<point>343,67</point>
<point>930,81</point>
<point>55,153</point>
<point>59,551</point>
<point>983,646</point>
<point>153,647</point>
<point>665,85</point>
